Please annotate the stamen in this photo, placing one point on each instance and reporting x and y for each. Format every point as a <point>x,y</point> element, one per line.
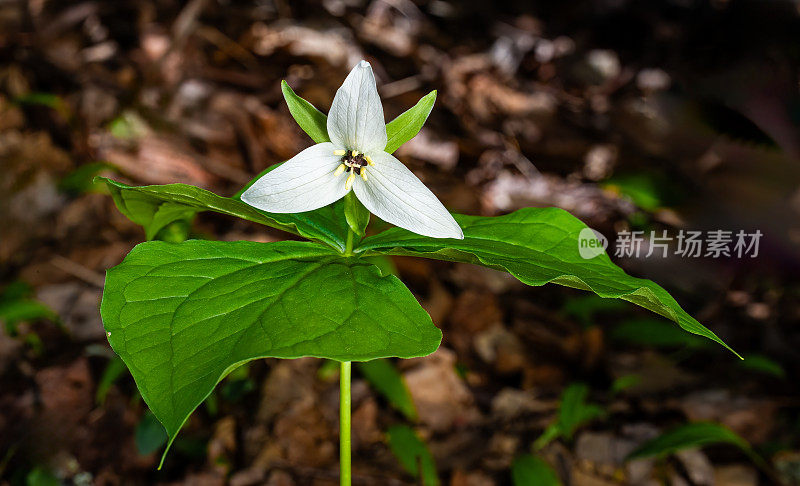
<point>354,153</point>
<point>339,170</point>
<point>348,184</point>
<point>364,173</point>
<point>369,160</point>
<point>339,152</point>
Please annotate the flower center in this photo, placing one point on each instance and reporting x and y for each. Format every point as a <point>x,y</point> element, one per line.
<point>353,162</point>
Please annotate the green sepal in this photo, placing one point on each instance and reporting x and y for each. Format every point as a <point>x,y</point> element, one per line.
<point>398,131</point>
<point>310,119</point>
<point>356,214</point>
<point>409,123</point>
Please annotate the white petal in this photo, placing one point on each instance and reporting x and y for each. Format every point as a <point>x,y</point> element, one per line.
<point>394,194</point>
<point>303,183</point>
<point>356,118</point>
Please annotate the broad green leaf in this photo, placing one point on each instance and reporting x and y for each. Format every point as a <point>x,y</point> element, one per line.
<point>409,123</point>
<point>154,207</point>
<point>182,316</point>
<point>529,470</point>
<point>413,454</point>
<point>537,246</point>
<point>573,412</point>
<point>149,435</point>
<point>382,375</point>
<point>688,436</point>
<point>383,262</point>
<point>398,131</point>
<point>310,119</point>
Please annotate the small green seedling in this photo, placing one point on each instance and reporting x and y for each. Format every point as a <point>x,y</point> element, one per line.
<point>184,315</point>
<point>573,413</point>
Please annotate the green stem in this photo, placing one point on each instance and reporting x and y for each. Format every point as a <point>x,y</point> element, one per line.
<point>344,425</point>
<point>350,239</point>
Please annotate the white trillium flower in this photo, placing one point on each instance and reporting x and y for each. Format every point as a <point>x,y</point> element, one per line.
<point>355,160</point>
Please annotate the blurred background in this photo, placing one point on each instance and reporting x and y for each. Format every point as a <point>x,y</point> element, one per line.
<point>658,116</point>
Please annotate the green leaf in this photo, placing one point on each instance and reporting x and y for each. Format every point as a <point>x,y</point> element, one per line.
<point>687,436</point>
<point>17,311</point>
<point>645,190</point>
<point>128,126</point>
<point>182,316</point>
<point>529,470</point>
<point>384,378</point>
<point>655,332</point>
<point>114,370</point>
<point>409,123</point>
<point>50,100</point>
<point>176,231</point>
<point>40,476</point>
<point>17,305</point>
<point>763,364</point>
<point>537,246</point>
<point>383,262</point>
<point>154,207</point>
<point>356,214</point>
<point>150,435</point>
<point>551,433</point>
<point>413,454</point>
<point>82,180</point>
<point>586,307</point>
<point>329,370</point>
<point>310,119</point>
<point>624,382</point>
<point>573,412</point>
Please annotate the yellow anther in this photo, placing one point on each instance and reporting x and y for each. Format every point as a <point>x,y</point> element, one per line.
<point>369,160</point>
<point>348,184</point>
<point>339,170</point>
<point>339,152</point>
<point>364,173</point>
<point>355,153</point>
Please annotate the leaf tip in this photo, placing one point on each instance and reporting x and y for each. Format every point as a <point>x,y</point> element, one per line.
<point>286,90</point>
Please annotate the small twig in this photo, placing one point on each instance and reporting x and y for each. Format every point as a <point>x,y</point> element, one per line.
<point>401,86</point>
<point>77,270</point>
